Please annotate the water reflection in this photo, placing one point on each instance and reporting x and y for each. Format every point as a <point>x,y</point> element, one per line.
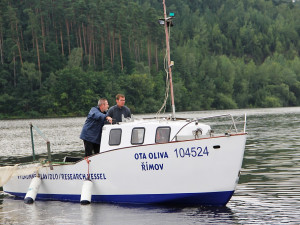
<point>71,213</point>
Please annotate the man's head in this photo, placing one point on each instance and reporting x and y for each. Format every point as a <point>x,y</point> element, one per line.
<point>120,99</point>
<point>103,104</point>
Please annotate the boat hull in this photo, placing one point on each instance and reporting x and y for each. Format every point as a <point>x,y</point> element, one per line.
<point>213,198</point>
<point>194,172</point>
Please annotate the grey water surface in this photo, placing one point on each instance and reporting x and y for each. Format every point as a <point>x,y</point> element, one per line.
<point>268,191</point>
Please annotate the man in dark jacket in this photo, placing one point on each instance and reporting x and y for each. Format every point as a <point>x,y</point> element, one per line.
<point>119,109</point>
<point>92,128</point>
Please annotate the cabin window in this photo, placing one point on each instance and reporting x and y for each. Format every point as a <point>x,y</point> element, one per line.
<point>115,136</point>
<point>137,135</point>
<point>162,134</point>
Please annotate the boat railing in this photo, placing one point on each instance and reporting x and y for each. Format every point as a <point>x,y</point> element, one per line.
<point>234,122</point>
<point>45,138</point>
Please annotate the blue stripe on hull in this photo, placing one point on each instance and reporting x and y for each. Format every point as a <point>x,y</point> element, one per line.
<point>210,198</point>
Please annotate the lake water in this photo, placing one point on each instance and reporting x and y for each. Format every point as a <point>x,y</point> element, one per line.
<point>268,191</point>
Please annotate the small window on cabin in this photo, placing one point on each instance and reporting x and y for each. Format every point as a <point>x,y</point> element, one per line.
<point>162,134</point>
<point>115,136</point>
<point>137,136</point>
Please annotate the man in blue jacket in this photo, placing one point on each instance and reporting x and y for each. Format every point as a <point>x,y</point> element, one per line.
<point>92,128</point>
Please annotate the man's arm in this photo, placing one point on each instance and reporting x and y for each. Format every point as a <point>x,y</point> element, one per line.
<point>110,112</point>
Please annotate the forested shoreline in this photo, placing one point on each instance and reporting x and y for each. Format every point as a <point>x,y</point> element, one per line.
<point>57,57</point>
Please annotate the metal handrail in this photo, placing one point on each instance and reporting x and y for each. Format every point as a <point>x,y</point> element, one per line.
<point>45,138</point>
<point>211,117</point>
<point>245,123</point>
<point>181,129</point>
<point>218,116</point>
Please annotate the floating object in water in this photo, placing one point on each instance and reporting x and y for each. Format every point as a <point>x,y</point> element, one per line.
<point>32,190</point>
<point>86,192</point>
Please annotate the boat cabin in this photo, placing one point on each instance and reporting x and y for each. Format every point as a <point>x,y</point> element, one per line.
<point>142,132</point>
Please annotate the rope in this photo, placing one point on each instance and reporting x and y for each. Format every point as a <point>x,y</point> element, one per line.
<point>88,162</point>
<point>167,82</point>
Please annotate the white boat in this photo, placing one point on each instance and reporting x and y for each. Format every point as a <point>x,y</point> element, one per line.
<point>148,161</point>
<point>154,161</point>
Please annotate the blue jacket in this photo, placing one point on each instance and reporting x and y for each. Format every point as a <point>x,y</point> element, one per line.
<point>92,128</point>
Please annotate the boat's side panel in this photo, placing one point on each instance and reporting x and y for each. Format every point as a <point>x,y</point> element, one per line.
<point>196,169</point>
<point>209,165</point>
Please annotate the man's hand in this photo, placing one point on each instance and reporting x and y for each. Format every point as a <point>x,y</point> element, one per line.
<point>109,119</point>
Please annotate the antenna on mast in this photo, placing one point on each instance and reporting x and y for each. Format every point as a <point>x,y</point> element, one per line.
<point>167,22</point>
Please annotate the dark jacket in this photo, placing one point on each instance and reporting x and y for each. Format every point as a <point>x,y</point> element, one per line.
<point>116,113</point>
<point>92,128</point>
